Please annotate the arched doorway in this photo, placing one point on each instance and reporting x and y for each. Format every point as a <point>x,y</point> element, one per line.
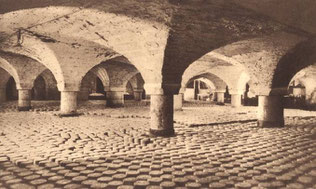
<point>99,86</point>
<point>39,89</point>
<point>11,91</point>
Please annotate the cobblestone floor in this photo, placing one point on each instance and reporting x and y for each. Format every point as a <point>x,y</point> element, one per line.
<point>214,147</point>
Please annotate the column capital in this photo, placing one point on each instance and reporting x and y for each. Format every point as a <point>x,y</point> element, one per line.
<point>24,86</point>
<point>162,88</point>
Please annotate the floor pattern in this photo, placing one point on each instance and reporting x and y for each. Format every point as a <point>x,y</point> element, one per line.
<point>111,149</point>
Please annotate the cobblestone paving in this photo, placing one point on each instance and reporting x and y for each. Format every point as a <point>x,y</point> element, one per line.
<point>99,150</point>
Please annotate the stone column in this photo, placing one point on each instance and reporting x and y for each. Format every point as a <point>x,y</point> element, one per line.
<point>220,96</point>
<point>178,101</point>
<point>161,113</point>
<point>115,98</point>
<point>3,95</point>
<point>24,102</point>
<point>270,111</point>
<point>138,94</point>
<point>236,100</point>
<point>68,103</point>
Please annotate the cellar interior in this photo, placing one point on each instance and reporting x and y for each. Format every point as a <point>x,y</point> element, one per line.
<point>157,94</point>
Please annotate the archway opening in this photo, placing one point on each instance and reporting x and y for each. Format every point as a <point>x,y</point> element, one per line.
<point>11,91</point>
<point>39,89</point>
<point>99,86</point>
<point>227,95</point>
<point>134,89</point>
<point>296,98</point>
<point>302,90</point>
<point>129,95</point>
<point>92,88</point>
<point>249,98</point>
<point>96,89</point>
<point>200,89</point>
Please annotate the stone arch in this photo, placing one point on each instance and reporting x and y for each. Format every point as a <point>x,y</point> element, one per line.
<point>10,69</point>
<point>119,73</point>
<point>90,78</point>
<point>135,86</point>
<point>136,80</point>
<point>52,92</point>
<point>228,69</point>
<point>26,68</point>
<point>258,56</point>
<point>39,51</point>
<point>88,85</point>
<point>208,82</point>
<point>4,78</point>
<point>138,40</point>
<point>307,79</point>
<point>217,81</point>
<point>296,59</point>
<point>11,89</point>
<point>242,82</point>
<point>39,89</point>
<point>193,40</point>
<point>102,74</point>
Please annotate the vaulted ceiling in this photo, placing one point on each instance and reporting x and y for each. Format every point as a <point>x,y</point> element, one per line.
<point>161,38</point>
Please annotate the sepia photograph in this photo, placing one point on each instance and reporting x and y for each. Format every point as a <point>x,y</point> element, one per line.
<point>158,94</point>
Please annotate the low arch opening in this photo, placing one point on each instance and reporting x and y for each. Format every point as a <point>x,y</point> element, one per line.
<point>11,90</point>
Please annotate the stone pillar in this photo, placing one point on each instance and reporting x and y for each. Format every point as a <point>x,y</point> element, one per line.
<point>178,101</point>
<point>220,96</point>
<point>138,94</point>
<point>68,103</point>
<point>115,98</point>
<point>161,113</point>
<point>24,102</point>
<point>3,95</point>
<point>236,100</point>
<point>270,111</point>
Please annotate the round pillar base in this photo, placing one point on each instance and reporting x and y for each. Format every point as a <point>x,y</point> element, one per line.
<point>72,114</point>
<point>24,108</point>
<point>163,133</point>
<point>270,124</point>
<point>270,111</point>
